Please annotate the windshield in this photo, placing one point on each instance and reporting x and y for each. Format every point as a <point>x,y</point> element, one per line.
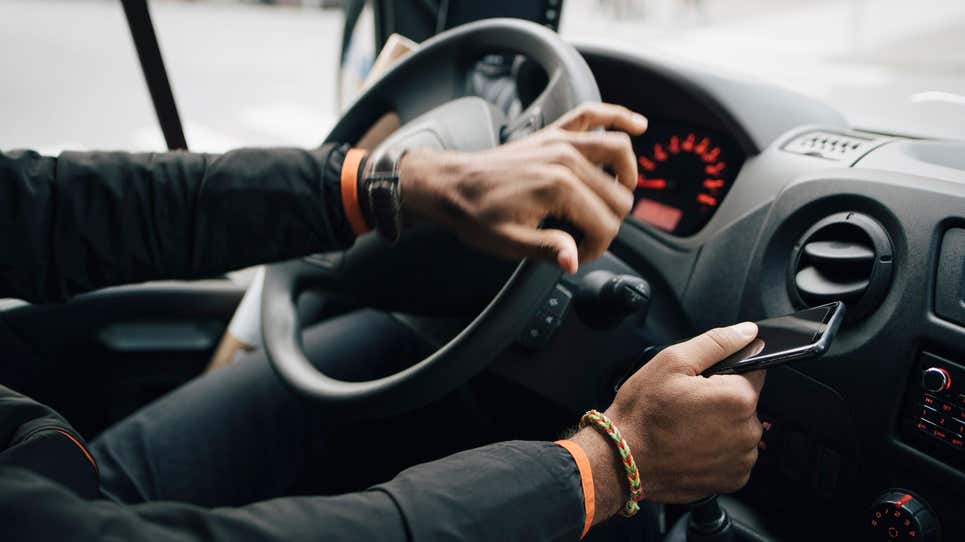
<point>267,72</point>
<point>892,66</point>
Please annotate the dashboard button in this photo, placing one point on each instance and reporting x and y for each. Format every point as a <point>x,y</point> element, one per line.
<point>929,400</point>
<point>557,302</point>
<point>932,415</point>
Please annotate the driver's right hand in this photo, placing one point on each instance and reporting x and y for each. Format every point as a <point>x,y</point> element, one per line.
<point>496,199</point>
<point>691,436</point>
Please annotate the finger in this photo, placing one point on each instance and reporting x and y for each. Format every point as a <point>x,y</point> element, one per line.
<point>701,352</point>
<point>610,149</point>
<point>603,115</point>
<point>549,245</point>
<point>582,208</point>
<point>617,197</point>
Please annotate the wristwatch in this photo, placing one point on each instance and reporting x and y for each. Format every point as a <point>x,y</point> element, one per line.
<point>381,193</point>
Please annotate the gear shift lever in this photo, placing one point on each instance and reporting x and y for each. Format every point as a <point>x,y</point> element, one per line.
<point>709,522</point>
<point>705,522</point>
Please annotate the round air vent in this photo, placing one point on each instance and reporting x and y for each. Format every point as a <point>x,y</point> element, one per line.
<point>845,257</point>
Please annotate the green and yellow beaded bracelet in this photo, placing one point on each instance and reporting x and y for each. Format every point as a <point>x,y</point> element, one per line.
<point>603,423</point>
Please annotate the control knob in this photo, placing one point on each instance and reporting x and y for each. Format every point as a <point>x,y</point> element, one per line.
<point>899,515</point>
<point>935,379</point>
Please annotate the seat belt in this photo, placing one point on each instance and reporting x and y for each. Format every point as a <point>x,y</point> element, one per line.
<point>152,64</point>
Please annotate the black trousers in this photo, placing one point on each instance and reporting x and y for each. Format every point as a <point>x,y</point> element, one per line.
<point>238,435</point>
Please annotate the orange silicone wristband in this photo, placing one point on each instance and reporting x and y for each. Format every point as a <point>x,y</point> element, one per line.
<point>586,481</point>
<point>350,191</point>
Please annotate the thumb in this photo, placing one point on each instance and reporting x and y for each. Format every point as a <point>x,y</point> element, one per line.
<point>701,352</point>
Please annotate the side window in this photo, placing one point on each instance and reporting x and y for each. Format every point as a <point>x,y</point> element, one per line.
<point>71,79</point>
<point>251,75</point>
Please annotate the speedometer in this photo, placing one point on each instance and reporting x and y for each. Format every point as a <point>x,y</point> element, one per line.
<point>683,176</point>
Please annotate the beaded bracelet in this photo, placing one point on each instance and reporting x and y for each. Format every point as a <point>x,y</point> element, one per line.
<point>603,423</point>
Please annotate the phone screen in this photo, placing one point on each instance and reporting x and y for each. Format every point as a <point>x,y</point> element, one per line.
<point>784,338</point>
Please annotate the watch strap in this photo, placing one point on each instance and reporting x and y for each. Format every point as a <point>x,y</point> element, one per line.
<point>383,193</point>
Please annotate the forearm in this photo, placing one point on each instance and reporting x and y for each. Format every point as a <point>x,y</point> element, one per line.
<point>88,220</point>
<point>509,491</point>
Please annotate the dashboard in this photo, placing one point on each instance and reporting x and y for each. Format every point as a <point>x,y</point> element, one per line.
<point>753,202</point>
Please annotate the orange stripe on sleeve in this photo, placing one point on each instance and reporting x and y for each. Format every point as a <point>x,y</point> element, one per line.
<point>586,481</point>
<point>79,445</point>
<point>350,191</point>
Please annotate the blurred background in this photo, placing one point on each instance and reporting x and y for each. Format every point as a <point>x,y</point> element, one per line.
<point>267,72</point>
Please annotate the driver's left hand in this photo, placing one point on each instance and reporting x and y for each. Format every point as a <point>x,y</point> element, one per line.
<point>496,199</point>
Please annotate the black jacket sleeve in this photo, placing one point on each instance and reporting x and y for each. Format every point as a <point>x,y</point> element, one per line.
<point>510,491</point>
<point>83,221</point>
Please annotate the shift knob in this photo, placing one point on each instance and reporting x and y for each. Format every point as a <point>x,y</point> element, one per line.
<point>709,522</point>
<point>605,299</point>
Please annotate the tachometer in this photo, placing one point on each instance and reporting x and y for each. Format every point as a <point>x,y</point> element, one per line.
<point>683,176</point>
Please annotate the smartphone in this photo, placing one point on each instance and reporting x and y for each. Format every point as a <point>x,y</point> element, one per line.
<point>802,335</point>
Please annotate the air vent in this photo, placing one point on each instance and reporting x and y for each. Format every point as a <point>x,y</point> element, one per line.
<point>831,145</point>
<point>845,257</point>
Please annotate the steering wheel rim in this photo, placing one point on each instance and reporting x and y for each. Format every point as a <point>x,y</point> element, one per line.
<point>442,60</point>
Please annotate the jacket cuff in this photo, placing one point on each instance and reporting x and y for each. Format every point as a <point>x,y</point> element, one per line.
<point>586,482</point>
<point>332,161</point>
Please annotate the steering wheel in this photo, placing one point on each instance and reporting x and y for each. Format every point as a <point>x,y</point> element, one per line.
<point>428,271</point>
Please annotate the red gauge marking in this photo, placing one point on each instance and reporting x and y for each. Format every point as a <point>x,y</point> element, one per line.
<point>707,199</point>
<point>674,144</point>
<point>711,155</point>
<point>688,144</point>
<point>904,499</point>
<point>646,163</point>
<point>659,154</point>
<point>701,147</point>
<point>713,184</point>
<point>715,169</point>
<point>653,184</point>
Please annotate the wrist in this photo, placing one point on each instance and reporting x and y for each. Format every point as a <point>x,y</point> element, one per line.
<point>611,487</point>
<point>425,176</point>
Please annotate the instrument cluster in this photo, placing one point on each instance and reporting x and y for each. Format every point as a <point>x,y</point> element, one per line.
<point>684,174</point>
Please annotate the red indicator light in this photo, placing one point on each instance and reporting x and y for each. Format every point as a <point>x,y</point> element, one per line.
<point>646,163</point>
<point>662,216</point>
<point>946,408</point>
<point>928,400</point>
<point>674,145</point>
<point>711,155</point>
<point>707,199</point>
<point>659,154</point>
<point>688,144</point>
<point>653,184</point>
<point>715,169</point>
<point>701,147</point>
<point>713,184</point>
